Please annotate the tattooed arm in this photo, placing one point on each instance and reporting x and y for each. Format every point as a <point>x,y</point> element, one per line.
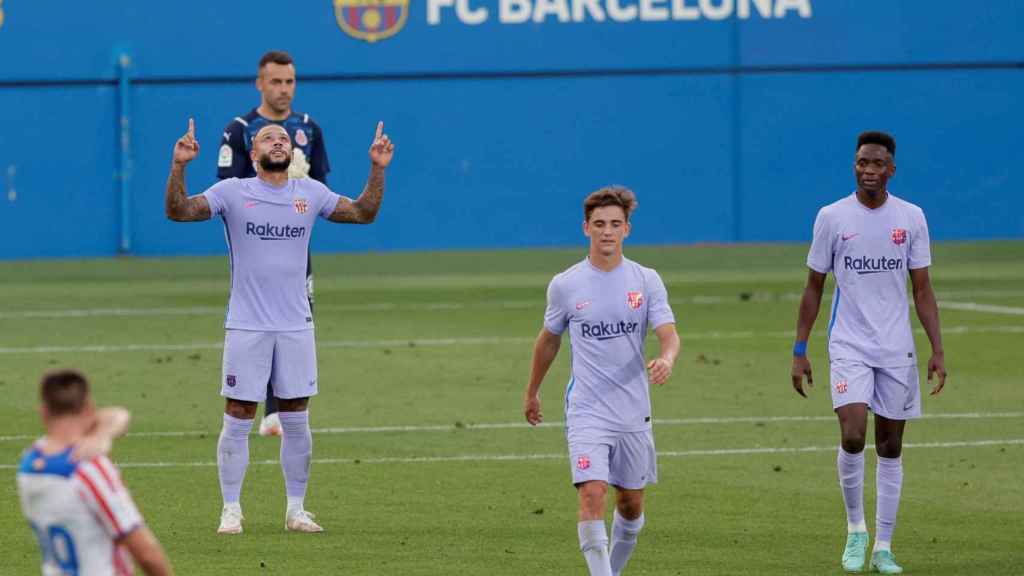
<point>363,210</point>
<point>178,206</point>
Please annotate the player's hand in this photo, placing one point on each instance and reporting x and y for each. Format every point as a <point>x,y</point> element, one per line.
<point>659,370</point>
<point>937,365</point>
<point>531,408</point>
<point>382,149</point>
<point>802,366</point>
<point>187,147</point>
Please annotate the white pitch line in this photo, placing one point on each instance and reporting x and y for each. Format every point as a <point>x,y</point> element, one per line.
<point>531,457</point>
<point>555,424</point>
<point>975,307</point>
<point>455,341</point>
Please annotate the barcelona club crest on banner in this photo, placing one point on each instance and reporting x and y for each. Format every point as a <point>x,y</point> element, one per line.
<point>371,20</point>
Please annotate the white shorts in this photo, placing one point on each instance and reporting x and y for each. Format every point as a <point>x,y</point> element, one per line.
<point>285,359</point>
<point>623,459</point>
<point>894,393</point>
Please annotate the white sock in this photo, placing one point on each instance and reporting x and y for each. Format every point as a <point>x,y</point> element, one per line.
<point>624,535</point>
<point>858,527</point>
<point>237,507</point>
<point>594,544</point>
<point>295,505</point>
<point>880,546</point>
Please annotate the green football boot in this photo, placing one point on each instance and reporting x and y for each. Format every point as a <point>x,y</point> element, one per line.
<point>884,562</point>
<point>855,554</point>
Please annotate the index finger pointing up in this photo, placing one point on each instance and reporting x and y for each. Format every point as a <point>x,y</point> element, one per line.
<point>191,127</point>
<point>380,130</point>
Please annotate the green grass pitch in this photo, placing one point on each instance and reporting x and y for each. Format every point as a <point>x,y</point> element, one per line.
<point>421,353</point>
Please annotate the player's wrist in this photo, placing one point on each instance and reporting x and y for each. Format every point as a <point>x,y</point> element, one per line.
<point>800,349</point>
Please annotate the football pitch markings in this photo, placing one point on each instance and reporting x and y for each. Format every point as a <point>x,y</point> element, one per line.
<point>495,304</point>
<point>455,341</point>
<point>558,424</point>
<point>475,458</point>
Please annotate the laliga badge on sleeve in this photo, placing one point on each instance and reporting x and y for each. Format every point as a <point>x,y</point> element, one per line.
<point>225,156</point>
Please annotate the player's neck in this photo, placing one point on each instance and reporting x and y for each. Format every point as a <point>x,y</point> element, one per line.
<point>275,179</point>
<point>269,114</point>
<point>63,433</point>
<point>605,263</point>
<point>872,201</point>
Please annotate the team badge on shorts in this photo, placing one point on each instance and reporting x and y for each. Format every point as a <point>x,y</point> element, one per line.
<point>842,387</point>
<point>899,236</point>
<point>635,300</point>
<point>301,205</point>
<point>371,20</point>
<point>230,380</point>
<point>583,462</point>
<point>300,137</point>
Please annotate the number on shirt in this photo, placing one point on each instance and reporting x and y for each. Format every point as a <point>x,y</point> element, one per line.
<point>58,548</point>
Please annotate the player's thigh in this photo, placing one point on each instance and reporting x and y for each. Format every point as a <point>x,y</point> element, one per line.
<point>294,372</point>
<point>248,356</point>
<point>634,461</point>
<point>851,382</point>
<point>897,393</point>
<point>589,453</point>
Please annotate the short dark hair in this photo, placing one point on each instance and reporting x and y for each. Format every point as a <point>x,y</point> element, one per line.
<point>64,392</point>
<point>277,57</point>
<point>610,196</point>
<point>880,138</point>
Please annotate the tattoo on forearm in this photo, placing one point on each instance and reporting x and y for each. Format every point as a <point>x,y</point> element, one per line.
<point>369,201</point>
<point>178,205</point>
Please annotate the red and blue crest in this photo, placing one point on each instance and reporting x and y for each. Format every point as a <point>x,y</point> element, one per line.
<point>371,20</point>
<point>899,236</point>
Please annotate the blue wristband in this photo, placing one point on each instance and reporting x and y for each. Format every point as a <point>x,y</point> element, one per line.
<point>800,348</point>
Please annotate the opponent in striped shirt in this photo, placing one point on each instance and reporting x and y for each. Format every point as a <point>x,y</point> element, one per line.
<point>72,495</point>
<point>268,221</point>
<point>871,242</point>
<point>607,303</point>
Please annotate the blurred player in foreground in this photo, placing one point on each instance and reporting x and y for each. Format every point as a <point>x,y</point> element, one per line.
<point>871,241</point>
<point>607,303</point>
<point>275,81</point>
<point>268,221</point>
<point>81,513</point>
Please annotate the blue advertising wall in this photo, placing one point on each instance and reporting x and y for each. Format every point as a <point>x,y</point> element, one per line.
<point>734,120</point>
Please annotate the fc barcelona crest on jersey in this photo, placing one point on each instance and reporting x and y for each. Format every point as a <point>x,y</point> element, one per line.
<point>899,236</point>
<point>635,299</point>
<point>301,206</point>
<point>371,20</point>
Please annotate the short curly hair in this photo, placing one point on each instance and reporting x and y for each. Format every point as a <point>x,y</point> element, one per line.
<point>610,196</point>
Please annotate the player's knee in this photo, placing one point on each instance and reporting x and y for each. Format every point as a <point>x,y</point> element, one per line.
<point>293,404</point>
<point>240,409</point>
<point>890,447</point>
<point>592,497</point>
<point>630,505</point>
<point>853,442</point>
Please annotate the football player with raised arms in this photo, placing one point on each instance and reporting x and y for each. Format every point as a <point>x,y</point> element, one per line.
<point>607,303</point>
<point>871,241</point>
<point>268,221</point>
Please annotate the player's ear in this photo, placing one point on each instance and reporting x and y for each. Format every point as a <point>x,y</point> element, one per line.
<point>626,229</point>
<point>892,169</point>
<point>586,228</point>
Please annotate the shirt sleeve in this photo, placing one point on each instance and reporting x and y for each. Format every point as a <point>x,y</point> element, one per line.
<point>232,159</point>
<point>659,312</point>
<point>105,495</point>
<point>556,315</point>
<point>329,200</point>
<point>819,258</point>
<point>217,198</point>
<point>920,244</point>
<point>318,164</point>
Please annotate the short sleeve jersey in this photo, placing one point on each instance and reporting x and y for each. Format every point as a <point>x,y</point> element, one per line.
<point>268,231</point>
<point>78,512</point>
<point>607,315</point>
<point>870,252</point>
<point>309,155</point>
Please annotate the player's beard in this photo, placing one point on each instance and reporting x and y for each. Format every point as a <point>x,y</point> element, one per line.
<point>269,165</point>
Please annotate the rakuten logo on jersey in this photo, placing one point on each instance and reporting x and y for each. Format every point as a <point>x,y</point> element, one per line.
<point>269,231</point>
<point>609,330</point>
<point>866,265</point>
